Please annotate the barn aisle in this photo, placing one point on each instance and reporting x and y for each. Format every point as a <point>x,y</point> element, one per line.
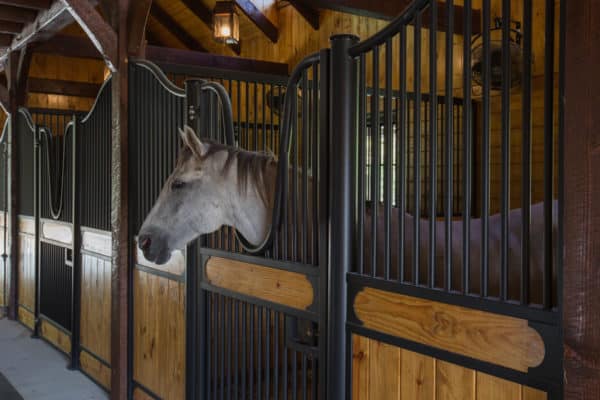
<point>37,371</point>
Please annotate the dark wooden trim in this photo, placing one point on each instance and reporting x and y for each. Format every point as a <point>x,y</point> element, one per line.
<point>167,55</point>
<point>69,46</point>
<point>11,27</point>
<point>65,88</point>
<point>98,30</point>
<point>5,39</point>
<point>259,19</point>
<point>206,16</point>
<point>16,14</point>
<point>138,18</point>
<point>581,274</point>
<point>172,26</point>
<point>390,9</point>
<point>33,4</point>
<point>309,13</point>
<point>25,56</point>
<point>4,98</point>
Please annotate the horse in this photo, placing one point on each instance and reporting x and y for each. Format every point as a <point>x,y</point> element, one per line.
<point>214,185</point>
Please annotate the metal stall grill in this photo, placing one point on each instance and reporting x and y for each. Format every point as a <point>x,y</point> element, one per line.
<point>416,232</point>
<point>4,193</point>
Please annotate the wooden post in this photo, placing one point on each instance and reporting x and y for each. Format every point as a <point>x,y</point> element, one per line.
<point>581,275</point>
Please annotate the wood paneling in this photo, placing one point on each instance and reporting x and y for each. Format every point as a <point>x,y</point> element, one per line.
<point>278,286</point>
<point>95,305</point>
<point>159,334</point>
<point>55,336</point>
<point>27,270</point>
<point>26,318</point>
<point>139,394</point>
<point>384,372</point>
<point>94,368</point>
<point>497,339</point>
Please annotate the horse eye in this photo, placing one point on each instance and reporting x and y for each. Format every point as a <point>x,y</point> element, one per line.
<point>177,184</point>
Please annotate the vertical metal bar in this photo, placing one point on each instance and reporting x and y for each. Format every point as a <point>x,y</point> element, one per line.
<point>276,365</point>
<point>417,150</point>
<point>304,376</point>
<point>268,355</point>
<point>315,164</point>
<point>252,316</point>
<point>342,99</point>
<point>548,150</point>
<point>294,375</point>
<point>467,131</point>
<point>403,150</point>
<point>433,140</point>
<point>362,148</point>
<point>526,151</point>
<point>485,151</point>
<point>294,192</point>
<point>259,351</point>
<point>449,143</point>
<point>375,164</point>
<point>388,156</point>
<point>506,83</point>
<point>305,154</point>
<point>75,249</point>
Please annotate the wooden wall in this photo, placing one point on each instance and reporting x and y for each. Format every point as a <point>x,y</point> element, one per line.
<point>383,371</point>
<point>26,276</point>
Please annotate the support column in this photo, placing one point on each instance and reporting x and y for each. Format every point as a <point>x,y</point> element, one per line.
<point>343,101</point>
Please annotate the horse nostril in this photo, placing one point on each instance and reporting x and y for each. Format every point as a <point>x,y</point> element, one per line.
<point>145,243</point>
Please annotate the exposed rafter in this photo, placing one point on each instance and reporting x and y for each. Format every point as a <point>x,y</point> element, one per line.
<point>5,39</point>
<point>17,14</point>
<point>310,14</point>
<point>206,16</point>
<point>33,4</point>
<point>65,88</point>
<point>137,21</point>
<point>11,27</point>
<point>98,30</point>
<point>69,46</point>
<point>4,98</point>
<point>259,19</point>
<point>172,26</point>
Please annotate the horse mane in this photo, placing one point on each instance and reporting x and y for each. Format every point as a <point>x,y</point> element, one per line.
<point>251,165</point>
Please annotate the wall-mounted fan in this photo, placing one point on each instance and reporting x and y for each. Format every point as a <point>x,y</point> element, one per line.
<point>496,53</point>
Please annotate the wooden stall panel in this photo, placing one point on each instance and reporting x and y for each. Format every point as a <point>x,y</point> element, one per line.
<point>384,372</point>
<point>27,271</point>
<point>159,334</point>
<point>57,337</point>
<point>95,305</point>
<point>94,368</point>
<point>26,317</point>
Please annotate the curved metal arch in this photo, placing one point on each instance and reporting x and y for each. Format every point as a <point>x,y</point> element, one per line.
<point>105,84</point>
<point>28,118</point>
<point>161,77</point>
<point>3,137</point>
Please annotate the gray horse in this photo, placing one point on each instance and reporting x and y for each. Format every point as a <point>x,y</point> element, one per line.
<point>215,185</point>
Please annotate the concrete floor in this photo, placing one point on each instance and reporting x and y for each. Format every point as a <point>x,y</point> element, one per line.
<point>38,371</point>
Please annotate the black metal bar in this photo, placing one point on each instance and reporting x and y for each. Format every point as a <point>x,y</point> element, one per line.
<point>467,131</point>
<point>433,140</point>
<point>305,154</point>
<point>37,209</point>
<point>526,151</point>
<point>548,150</point>
<point>505,189</point>
<point>375,164</point>
<point>362,149</point>
<point>388,158</point>
<point>485,151</point>
<point>417,150</point>
<point>76,250</point>
<point>403,150</point>
<point>449,122</point>
<point>342,98</point>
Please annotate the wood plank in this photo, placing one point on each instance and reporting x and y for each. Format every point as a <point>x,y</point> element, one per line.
<point>139,394</point>
<point>385,371</point>
<point>4,100</point>
<point>528,393</point>
<point>16,14</point>
<point>55,336</point>
<point>259,19</point>
<point>492,388</point>
<point>27,249</point>
<point>94,368</point>
<point>65,88</point>
<point>310,14</point>
<point>11,27</point>
<point>69,46</point>
<point>26,317</point>
<point>168,22</point>
<point>5,39</point>
<point>417,376</point>
<point>282,287</point>
<point>185,57</point>
<point>33,4</point>
<point>497,339</point>
<point>361,359</point>
<point>453,382</point>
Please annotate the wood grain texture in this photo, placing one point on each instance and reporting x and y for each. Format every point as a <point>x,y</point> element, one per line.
<point>95,305</point>
<point>26,274</point>
<point>159,334</point>
<point>139,394</point>
<point>383,372</point>
<point>94,368</point>
<point>55,336</point>
<point>26,318</point>
<point>497,339</point>
<point>283,287</point>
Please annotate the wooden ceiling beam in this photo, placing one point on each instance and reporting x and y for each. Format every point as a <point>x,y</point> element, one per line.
<point>17,14</point>
<point>11,27</point>
<point>309,13</point>
<point>172,26</point>
<point>206,16</point>
<point>33,4</point>
<point>391,9</point>
<point>64,88</point>
<point>165,55</point>
<point>5,39</point>
<point>98,30</point>
<point>69,46</point>
<point>259,19</point>
<point>137,21</point>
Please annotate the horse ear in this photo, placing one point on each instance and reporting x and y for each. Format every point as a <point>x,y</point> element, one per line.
<point>193,142</point>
